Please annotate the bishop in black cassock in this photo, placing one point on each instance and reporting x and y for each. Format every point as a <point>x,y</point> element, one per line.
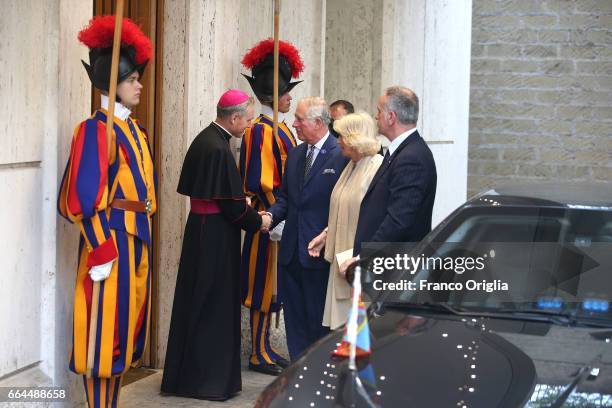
<point>203,353</point>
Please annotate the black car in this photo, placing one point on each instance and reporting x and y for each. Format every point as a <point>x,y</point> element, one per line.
<point>534,330</point>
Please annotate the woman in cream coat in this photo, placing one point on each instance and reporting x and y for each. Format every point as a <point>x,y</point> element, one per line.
<point>357,138</point>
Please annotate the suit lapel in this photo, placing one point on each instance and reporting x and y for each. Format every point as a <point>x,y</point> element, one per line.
<point>324,154</point>
<point>381,170</point>
<point>385,165</point>
<point>301,160</point>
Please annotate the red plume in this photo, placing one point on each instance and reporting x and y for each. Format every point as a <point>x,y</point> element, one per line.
<point>256,54</point>
<point>101,29</point>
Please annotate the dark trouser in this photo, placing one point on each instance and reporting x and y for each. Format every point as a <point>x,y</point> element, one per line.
<point>303,293</point>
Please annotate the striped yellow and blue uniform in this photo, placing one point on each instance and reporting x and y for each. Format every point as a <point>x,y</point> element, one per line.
<point>262,161</point>
<point>90,183</point>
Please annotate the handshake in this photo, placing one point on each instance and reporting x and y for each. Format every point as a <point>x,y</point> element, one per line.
<point>266,221</point>
<point>266,217</point>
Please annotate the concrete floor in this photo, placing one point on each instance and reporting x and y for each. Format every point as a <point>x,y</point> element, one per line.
<point>145,393</point>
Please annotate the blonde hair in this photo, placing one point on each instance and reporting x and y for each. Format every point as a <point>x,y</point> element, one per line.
<point>358,131</point>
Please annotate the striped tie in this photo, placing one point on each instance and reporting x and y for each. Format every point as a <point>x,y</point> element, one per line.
<point>309,157</point>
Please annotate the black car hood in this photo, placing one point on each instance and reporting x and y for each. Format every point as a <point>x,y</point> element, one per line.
<point>449,361</point>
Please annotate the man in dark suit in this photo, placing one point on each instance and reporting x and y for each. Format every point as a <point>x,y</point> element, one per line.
<point>311,171</point>
<point>398,204</point>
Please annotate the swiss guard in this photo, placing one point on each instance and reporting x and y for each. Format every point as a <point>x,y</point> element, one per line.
<point>262,161</point>
<point>110,195</point>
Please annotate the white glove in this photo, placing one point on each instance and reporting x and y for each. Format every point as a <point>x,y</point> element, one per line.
<point>100,272</point>
<point>277,232</point>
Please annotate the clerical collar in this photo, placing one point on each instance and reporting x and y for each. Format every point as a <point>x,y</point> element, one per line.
<point>121,111</point>
<point>224,129</point>
<point>269,112</point>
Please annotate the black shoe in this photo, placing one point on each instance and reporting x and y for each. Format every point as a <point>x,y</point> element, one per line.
<point>270,369</point>
<point>281,362</point>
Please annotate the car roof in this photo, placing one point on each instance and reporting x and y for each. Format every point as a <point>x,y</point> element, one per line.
<point>567,195</point>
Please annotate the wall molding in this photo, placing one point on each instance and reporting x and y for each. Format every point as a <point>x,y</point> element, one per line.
<point>20,165</point>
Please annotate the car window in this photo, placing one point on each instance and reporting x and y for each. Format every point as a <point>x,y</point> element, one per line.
<point>526,224</point>
<point>540,253</point>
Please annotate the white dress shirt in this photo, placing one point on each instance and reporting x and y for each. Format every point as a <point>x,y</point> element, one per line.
<point>398,140</point>
<point>317,147</point>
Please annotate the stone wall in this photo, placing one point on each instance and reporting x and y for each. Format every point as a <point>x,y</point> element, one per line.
<point>20,179</point>
<point>353,38</point>
<point>421,44</point>
<point>541,92</point>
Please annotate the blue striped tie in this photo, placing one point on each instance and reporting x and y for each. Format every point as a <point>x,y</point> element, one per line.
<point>309,157</point>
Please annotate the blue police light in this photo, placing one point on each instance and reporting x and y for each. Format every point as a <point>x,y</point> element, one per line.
<point>550,303</point>
<point>596,305</point>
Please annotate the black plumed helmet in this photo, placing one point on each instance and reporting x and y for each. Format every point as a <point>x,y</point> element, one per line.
<point>99,66</point>
<point>136,50</point>
<point>260,60</point>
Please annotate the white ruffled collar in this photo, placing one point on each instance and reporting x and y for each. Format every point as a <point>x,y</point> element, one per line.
<point>269,112</point>
<point>121,111</point>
